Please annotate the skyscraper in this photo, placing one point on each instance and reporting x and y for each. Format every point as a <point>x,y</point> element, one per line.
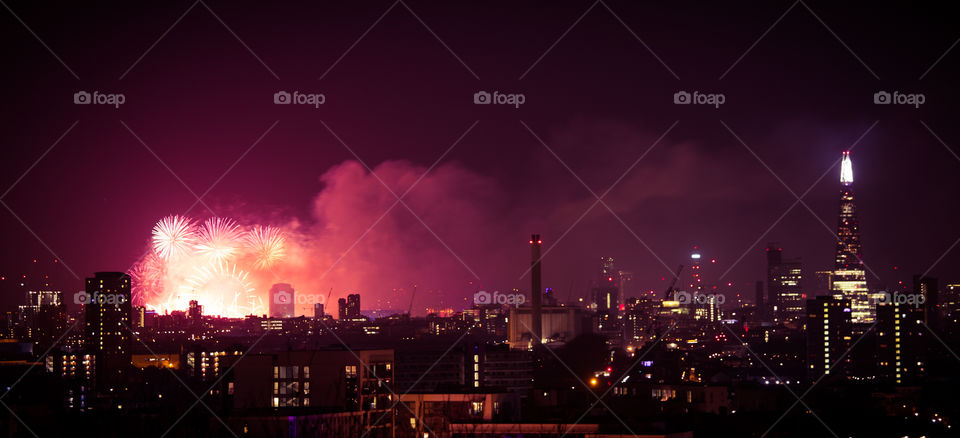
<point>783,286</point>
<point>606,294</point>
<point>107,308</point>
<point>282,301</point>
<point>927,287</point>
<point>849,280</point>
<point>901,346</point>
<point>349,308</point>
<point>828,336</point>
<point>342,309</point>
<point>51,318</point>
<point>706,305</point>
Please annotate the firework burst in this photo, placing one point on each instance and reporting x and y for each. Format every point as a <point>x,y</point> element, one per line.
<point>217,262</point>
<point>267,245</point>
<point>222,289</point>
<point>173,237</point>
<point>219,239</point>
<point>147,279</point>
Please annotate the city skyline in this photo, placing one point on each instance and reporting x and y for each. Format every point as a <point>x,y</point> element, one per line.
<point>184,289</point>
<point>698,186</point>
<point>416,219</point>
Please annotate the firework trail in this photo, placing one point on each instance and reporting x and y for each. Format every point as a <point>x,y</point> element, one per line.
<point>219,239</point>
<point>173,237</point>
<point>267,245</point>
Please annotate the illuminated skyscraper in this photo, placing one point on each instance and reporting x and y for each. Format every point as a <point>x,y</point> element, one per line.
<point>783,286</point>
<point>107,311</point>
<point>352,308</point>
<point>901,353</point>
<point>606,296</point>
<point>706,304</point>
<point>828,336</point>
<point>849,280</point>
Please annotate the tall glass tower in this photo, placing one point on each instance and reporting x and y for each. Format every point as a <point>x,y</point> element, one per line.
<point>849,280</point>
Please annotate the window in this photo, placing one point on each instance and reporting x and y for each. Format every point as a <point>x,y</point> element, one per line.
<point>306,372</point>
<point>476,408</point>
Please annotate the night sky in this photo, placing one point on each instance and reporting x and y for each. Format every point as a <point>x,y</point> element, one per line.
<point>399,78</point>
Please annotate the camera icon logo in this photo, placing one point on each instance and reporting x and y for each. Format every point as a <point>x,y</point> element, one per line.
<point>681,98</point>
<point>81,298</point>
<point>81,98</point>
<point>881,98</point>
<point>282,297</point>
<point>481,98</point>
<point>281,98</point>
<point>482,297</point>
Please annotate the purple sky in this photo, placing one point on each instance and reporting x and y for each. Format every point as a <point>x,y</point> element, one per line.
<point>403,94</point>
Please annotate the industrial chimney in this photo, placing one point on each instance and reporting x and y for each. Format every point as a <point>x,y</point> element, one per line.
<point>536,289</point>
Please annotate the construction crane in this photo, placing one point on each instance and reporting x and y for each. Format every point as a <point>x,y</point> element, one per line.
<point>412,295</point>
<point>666,295</point>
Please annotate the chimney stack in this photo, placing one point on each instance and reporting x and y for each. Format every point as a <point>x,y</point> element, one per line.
<point>536,289</point>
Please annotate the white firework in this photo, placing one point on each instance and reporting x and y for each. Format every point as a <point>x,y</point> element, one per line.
<point>267,244</point>
<point>219,239</point>
<point>173,237</point>
<point>221,288</point>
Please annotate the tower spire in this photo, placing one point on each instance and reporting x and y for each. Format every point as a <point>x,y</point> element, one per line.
<point>846,169</point>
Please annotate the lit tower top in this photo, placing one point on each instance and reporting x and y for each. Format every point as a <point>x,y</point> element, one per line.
<point>696,284</point>
<point>846,169</point>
